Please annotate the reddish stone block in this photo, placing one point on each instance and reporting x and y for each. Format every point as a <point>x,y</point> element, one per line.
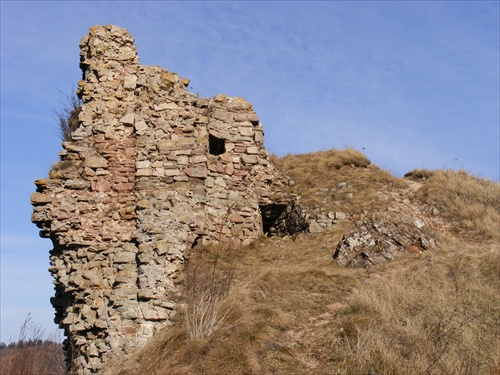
<point>129,186</point>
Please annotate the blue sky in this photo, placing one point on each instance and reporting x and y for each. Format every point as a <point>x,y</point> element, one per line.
<point>415,84</point>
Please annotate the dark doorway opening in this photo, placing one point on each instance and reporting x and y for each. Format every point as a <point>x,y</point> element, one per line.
<point>270,214</point>
<point>216,146</point>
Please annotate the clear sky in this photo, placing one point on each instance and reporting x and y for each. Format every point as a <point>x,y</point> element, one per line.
<point>414,84</point>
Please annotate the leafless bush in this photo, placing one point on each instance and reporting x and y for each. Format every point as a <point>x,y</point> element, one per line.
<point>67,116</point>
<point>208,281</point>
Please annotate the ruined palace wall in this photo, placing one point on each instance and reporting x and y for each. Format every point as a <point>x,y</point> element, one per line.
<point>151,171</point>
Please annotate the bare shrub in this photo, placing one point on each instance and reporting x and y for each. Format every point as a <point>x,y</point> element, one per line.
<point>207,284</point>
<point>67,116</point>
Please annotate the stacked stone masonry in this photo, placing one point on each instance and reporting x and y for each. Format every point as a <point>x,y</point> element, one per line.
<point>151,171</point>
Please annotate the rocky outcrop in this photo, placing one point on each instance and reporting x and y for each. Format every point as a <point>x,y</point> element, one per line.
<point>379,239</point>
<point>151,171</point>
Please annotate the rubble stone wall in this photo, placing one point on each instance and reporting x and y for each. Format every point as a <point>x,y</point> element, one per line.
<point>151,171</point>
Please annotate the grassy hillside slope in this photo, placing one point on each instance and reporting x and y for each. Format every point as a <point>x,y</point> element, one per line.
<point>283,306</point>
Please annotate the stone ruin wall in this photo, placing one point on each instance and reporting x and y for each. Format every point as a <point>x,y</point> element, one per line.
<point>151,170</point>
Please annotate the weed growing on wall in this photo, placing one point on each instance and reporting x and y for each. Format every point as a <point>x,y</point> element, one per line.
<point>67,116</point>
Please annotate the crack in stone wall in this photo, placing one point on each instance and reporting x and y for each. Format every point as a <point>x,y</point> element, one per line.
<point>135,188</point>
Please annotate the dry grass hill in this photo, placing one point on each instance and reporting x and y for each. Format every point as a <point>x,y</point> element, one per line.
<point>284,306</point>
